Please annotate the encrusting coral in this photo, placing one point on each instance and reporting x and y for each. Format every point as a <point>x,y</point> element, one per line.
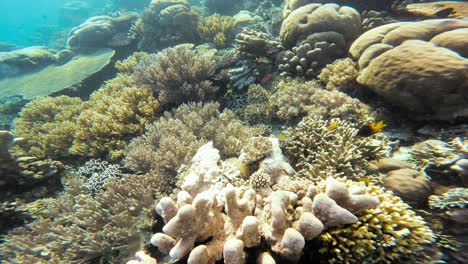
<point>238,218</point>
<point>317,150</point>
<point>389,233</point>
<point>177,75</point>
<point>175,137</point>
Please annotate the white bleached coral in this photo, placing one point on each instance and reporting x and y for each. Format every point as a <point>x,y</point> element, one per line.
<point>208,229</point>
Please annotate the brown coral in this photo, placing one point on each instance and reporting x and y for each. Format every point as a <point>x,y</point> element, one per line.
<point>177,75</point>
<point>217,29</point>
<point>340,75</point>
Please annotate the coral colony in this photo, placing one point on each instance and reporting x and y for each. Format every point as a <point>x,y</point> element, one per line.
<point>293,131</point>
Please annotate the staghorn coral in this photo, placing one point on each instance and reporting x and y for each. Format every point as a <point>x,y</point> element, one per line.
<point>177,75</point>
<point>48,125</point>
<point>318,151</point>
<point>174,138</point>
<point>295,99</point>
<point>340,75</point>
<point>389,233</point>
<point>239,218</point>
<point>217,29</point>
<point>77,227</point>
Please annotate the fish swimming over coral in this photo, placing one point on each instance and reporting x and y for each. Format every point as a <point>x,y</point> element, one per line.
<point>370,129</point>
<point>452,9</point>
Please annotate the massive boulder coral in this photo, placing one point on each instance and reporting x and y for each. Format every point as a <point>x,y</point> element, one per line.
<point>238,218</point>
<point>317,35</point>
<point>321,22</point>
<point>102,31</point>
<point>418,66</point>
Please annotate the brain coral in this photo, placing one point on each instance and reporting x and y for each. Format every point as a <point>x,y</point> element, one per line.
<point>419,66</point>
<point>328,21</point>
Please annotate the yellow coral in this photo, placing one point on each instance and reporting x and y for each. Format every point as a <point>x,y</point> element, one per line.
<point>216,29</point>
<point>387,233</point>
<point>340,75</point>
<point>48,125</point>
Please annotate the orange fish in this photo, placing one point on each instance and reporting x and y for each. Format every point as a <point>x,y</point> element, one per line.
<point>371,129</point>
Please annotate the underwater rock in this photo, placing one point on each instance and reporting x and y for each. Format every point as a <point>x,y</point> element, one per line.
<point>57,78</point>
<point>23,60</point>
<point>418,66</point>
<point>101,32</point>
<point>410,185</point>
<point>320,19</point>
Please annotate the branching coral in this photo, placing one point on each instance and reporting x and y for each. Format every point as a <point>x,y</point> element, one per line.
<point>48,125</point>
<point>79,228</point>
<point>217,29</point>
<point>295,99</point>
<point>457,197</point>
<point>340,75</point>
<point>175,137</point>
<point>389,233</point>
<point>319,151</point>
<point>177,75</point>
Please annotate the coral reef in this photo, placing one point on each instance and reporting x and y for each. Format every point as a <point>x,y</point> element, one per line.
<point>410,185</point>
<point>174,138</point>
<point>48,125</point>
<point>295,99</point>
<point>96,173</point>
<point>256,149</point>
<point>389,233</point>
<point>177,75</point>
<point>101,32</point>
<point>81,74</point>
<point>257,44</point>
<point>340,75</point>
<point>78,227</point>
<point>415,68</point>
<point>372,19</point>
<point>454,198</point>
<point>238,217</point>
<point>317,151</point>
<point>317,22</point>
<point>22,60</point>
<point>112,114</point>
<point>216,29</point>
<point>227,7</point>
<point>247,72</point>
<point>166,23</point>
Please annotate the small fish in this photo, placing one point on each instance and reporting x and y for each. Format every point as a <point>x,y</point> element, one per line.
<point>283,135</point>
<point>371,129</point>
<point>332,126</point>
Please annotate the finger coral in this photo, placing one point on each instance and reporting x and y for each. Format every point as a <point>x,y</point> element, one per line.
<point>174,138</point>
<point>389,233</point>
<point>177,75</point>
<point>318,151</point>
<point>238,218</point>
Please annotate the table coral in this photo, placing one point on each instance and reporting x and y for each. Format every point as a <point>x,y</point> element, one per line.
<point>412,58</point>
